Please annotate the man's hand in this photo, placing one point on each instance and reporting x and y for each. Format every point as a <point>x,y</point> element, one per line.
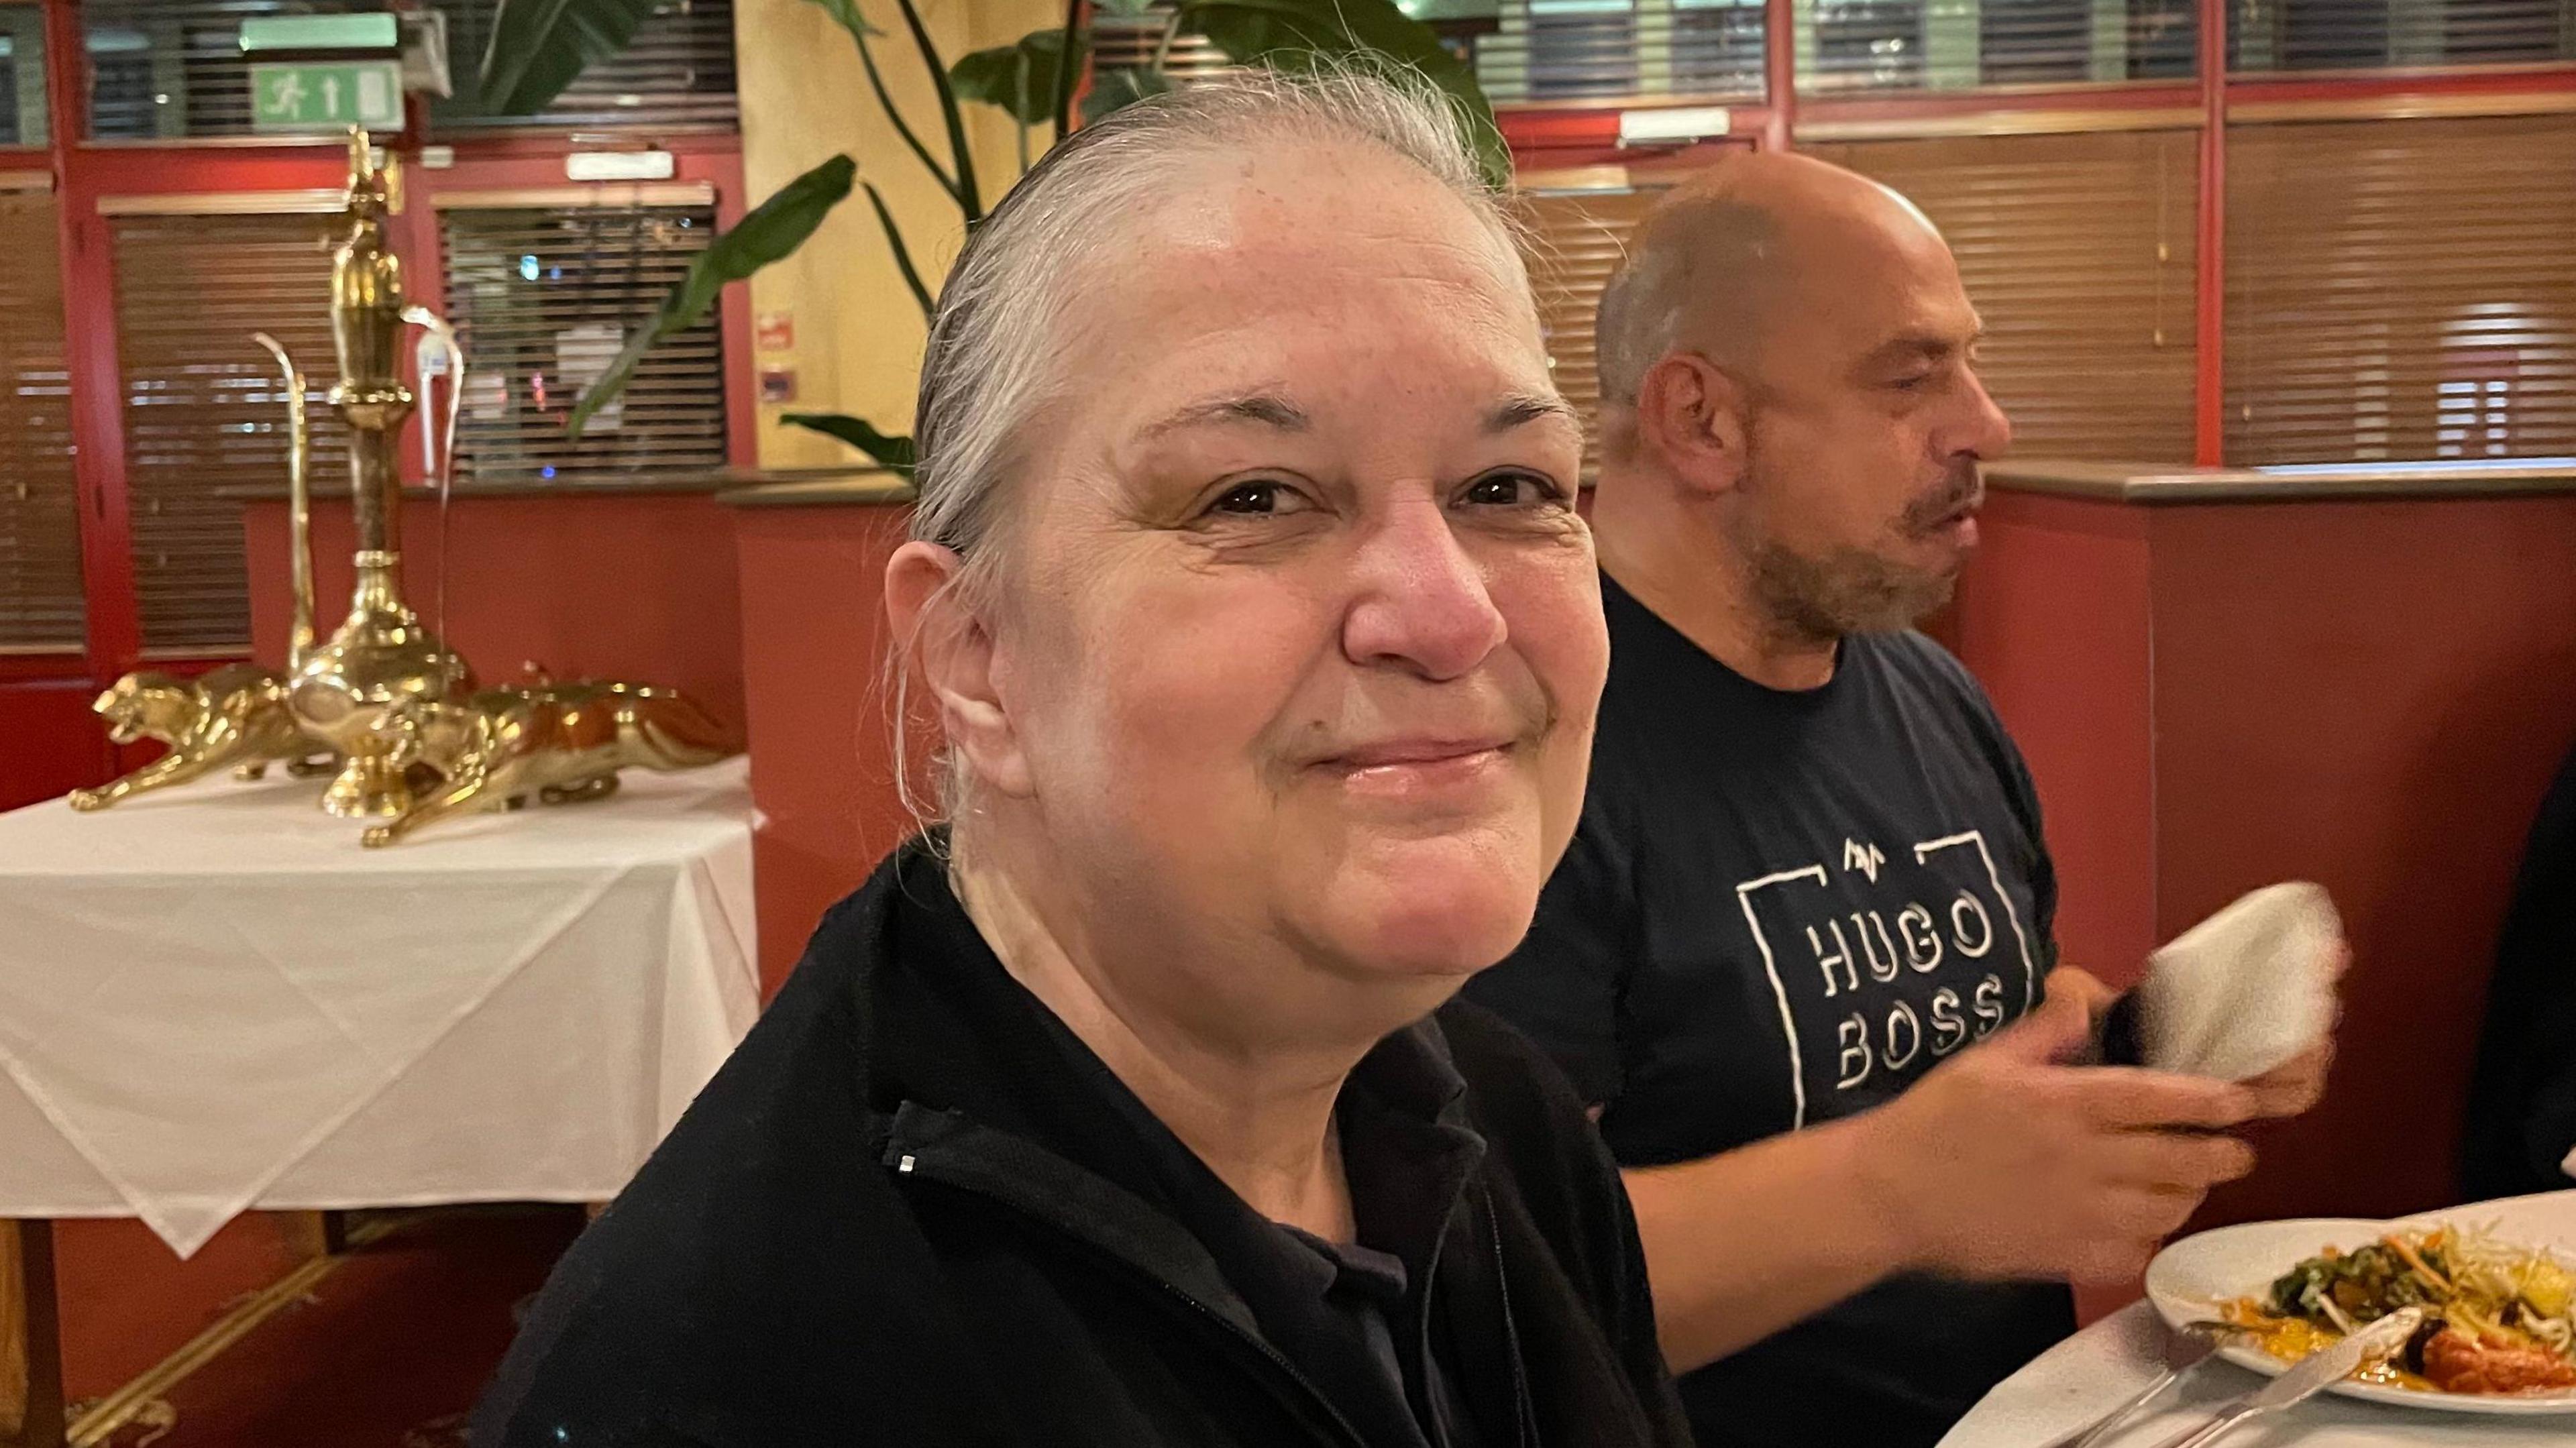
<point>2003,1163</point>
<point>2300,1082</point>
<point>2296,1084</point>
<point>2085,989</point>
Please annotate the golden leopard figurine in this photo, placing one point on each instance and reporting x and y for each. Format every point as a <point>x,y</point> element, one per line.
<point>231,716</point>
<point>559,742</point>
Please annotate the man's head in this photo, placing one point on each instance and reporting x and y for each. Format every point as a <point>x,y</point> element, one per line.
<point>1790,345</point>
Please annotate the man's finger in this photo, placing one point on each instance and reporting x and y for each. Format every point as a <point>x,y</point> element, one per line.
<point>2168,1161</point>
<point>2087,989</point>
<point>2128,1098</point>
<point>2058,1028</point>
<point>2152,1213</point>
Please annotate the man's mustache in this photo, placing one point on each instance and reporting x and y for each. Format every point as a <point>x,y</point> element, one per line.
<point>1962,489</point>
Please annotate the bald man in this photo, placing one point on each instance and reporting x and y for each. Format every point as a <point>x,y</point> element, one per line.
<point>1800,952</point>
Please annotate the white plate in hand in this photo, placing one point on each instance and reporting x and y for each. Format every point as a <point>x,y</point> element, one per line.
<point>2189,1279</point>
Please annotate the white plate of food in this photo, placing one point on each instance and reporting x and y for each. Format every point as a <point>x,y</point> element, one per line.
<point>2497,1281</point>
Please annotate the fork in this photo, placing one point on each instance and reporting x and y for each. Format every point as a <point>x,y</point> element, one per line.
<point>2208,1331</point>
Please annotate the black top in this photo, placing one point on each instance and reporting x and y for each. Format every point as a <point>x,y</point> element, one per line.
<point>914,1209</point>
<point>2522,1101</point>
<point>1783,908</point>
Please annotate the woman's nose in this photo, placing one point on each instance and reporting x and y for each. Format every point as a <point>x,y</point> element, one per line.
<point>1421,600</point>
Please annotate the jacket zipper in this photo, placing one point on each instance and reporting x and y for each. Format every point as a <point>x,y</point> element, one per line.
<point>1527,1433</point>
<point>1277,1359</point>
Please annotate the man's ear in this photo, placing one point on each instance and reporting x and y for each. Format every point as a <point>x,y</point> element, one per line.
<point>1693,417</point>
<point>951,649</point>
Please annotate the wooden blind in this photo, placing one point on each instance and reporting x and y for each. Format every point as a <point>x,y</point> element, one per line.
<point>40,569</point>
<point>1559,50</point>
<point>2401,290</point>
<point>677,74</point>
<point>1867,45</point>
<point>2078,252</point>
<point>1578,239</point>
<point>1131,42</point>
<point>204,406</point>
<point>542,297</point>
<point>2377,34</point>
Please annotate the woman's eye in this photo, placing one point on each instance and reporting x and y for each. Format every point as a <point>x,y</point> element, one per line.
<point>1512,490</point>
<point>1259,499</point>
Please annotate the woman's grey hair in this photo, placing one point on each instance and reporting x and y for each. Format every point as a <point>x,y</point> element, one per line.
<point>994,360</point>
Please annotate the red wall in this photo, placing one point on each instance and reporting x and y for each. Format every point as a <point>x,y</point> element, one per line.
<point>822,736</point>
<point>612,585</point>
<point>2053,617</point>
<point>49,740</point>
<point>2372,695</point>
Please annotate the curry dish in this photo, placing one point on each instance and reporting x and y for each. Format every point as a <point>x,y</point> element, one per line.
<point>2497,1318</point>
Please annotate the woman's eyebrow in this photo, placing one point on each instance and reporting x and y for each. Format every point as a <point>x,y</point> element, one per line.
<point>1522,408</point>
<point>1267,409</point>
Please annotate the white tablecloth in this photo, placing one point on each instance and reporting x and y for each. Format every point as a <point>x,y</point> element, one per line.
<point>2106,1364</point>
<point>213,999</point>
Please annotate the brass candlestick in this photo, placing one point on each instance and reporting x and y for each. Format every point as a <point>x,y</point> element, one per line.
<point>381,656</point>
<point>383,705</point>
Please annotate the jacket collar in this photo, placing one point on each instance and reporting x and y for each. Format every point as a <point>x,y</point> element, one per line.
<point>973,1077</point>
<point>971,1082</point>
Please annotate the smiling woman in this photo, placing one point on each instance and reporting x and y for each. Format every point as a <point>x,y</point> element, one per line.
<point>1131,1106</point>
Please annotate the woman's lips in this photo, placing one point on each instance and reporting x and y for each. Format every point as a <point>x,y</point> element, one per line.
<point>1423,769</point>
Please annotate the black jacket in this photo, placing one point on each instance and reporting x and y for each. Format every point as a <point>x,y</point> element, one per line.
<point>2522,1101</point>
<point>910,1211</point>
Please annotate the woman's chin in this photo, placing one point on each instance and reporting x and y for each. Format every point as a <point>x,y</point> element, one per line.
<point>1433,911</point>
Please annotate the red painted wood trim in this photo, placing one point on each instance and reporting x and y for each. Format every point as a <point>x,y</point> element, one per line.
<point>43,668</point>
<point>114,617</point>
<point>1780,74</point>
<point>2209,396</point>
<point>2501,80</point>
<point>1856,109</point>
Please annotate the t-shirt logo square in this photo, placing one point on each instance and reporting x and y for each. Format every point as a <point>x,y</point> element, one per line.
<point>1887,965</point>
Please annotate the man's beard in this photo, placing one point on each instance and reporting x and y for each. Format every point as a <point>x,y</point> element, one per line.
<point>1821,598</point>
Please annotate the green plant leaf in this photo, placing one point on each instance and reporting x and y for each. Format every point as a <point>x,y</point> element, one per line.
<point>1021,79</point>
<point>1112,89</point>
<point>773,229</point>
<point>1296,34</point>
<point>892,451</point>
<point>902,254</point>
<point>968,199</point>
<point>846,14</point>
<point>540,46</point>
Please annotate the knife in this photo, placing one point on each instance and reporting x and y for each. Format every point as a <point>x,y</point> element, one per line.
<point>2310,1376</point>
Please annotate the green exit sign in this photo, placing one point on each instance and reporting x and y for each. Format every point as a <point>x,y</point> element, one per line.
<point>326,95</point>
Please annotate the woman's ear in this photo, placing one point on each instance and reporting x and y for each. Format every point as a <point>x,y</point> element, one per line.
<point>1694,417</point>
<point>952,650</point>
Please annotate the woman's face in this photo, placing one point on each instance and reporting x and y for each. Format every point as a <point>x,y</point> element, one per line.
<point>1302,637</point>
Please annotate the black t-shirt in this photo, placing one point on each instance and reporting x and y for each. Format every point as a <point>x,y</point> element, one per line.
<point>2522,1100</point>
<point>1782,908</point>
